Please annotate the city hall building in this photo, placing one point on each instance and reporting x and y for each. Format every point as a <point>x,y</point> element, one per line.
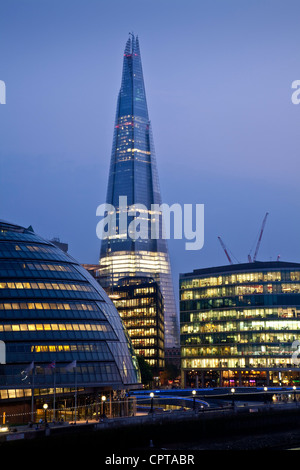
<point>62,335</point>
<point>239,324</point>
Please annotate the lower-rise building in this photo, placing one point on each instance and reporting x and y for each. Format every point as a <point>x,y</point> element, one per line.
<point>140,304</point>
<point>240,325</point>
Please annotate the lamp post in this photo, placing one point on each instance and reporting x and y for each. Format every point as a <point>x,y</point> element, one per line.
<point>294,388</point>
<point>265,390</point>
<point>232,393</point>
<point>45,406</point>
<point>194,399</point>
<point>152,397</point>
<point>103,398</point>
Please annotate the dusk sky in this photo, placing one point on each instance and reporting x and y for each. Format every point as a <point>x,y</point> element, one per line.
<point>218,77</point>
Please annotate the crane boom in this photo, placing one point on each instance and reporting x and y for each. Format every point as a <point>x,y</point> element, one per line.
<point>225,250</point>
<point>260,236</point>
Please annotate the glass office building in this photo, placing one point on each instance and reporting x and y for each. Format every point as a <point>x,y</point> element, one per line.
<point>140,305</point>
<point>57,323</point>
<point>240,325</point>
<point>133,177</point>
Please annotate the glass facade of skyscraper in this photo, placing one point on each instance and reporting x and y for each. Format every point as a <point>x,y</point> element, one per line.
<point>133,174</point>
<point>52,314</point>
<point>239,324</point>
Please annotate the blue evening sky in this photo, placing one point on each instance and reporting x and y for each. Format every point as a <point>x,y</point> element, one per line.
<point>218,77</point>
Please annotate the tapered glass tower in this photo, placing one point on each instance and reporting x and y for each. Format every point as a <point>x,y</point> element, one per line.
<point>133,180</point>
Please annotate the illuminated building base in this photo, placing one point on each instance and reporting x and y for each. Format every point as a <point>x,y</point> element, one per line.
<point>240,325</point>
<point>155,265</point>
<point>16,406</point>
<point>239,378</point>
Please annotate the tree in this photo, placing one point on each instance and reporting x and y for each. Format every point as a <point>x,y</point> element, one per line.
<point>146,370</point>
<point>170,372</point>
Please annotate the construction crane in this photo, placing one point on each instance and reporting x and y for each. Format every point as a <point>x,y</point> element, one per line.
<point>259,239</point>
<point>225,250</point>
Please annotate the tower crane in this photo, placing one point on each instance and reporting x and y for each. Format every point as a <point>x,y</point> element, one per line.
<point>225,250</point>
<point>259,239</point>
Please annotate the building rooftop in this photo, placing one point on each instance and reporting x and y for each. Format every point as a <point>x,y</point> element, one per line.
<point>242,267</point>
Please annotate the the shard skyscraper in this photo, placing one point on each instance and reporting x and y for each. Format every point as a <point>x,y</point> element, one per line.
<point>133,174</point>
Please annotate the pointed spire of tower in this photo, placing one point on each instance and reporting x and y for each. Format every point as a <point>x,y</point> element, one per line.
<point>128,46</point>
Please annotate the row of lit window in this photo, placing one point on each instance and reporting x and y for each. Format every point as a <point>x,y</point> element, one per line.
<point>12,234</point>
<point>34,266</point>
<point>271,276</point>
<point>241,326</point>
<point>137,312</point>
<point>134,302</point>
<point>236,362</point>
<point>242,338</point>
<point>22,247</point>
<point>47,306</point>
<point>240,290</point>
<point>142,332</point>
<point>54,327</point>
<point>249,350</point>
<point>23,348</point>
<point>38,348</point>
<point>15,393</point>
<point>141,322</point>
<point>240,314</point>
<point>131,262</point>
<point>240,302</point>
<point>146,352</point>
<point>46,285</point>
<point>26,392</point>
<point>41,248</point>
<point>144,342</point>
<point>9,250</point>
<point>144,290</point>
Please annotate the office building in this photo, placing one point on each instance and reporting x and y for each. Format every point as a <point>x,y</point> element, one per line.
<point>239,324</point>
<point>133,178</point>
<point>140,305</point>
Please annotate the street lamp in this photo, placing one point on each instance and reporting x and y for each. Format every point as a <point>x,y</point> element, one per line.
<point>151,396</point>
<point>103,398</point>
<point>45,406</point>
<point>194,399</point>
<point>294,388</point>
<point>266,389</point>
<point>233,392</point>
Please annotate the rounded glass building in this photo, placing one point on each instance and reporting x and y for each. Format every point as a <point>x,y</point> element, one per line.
<point>59,331</point>
<point>240,325</point>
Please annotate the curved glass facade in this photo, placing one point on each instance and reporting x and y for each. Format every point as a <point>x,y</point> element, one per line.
<point>239,324</point>
<point>54,313</point>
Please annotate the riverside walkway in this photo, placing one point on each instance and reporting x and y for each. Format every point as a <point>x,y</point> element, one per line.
<point>200,415</point>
